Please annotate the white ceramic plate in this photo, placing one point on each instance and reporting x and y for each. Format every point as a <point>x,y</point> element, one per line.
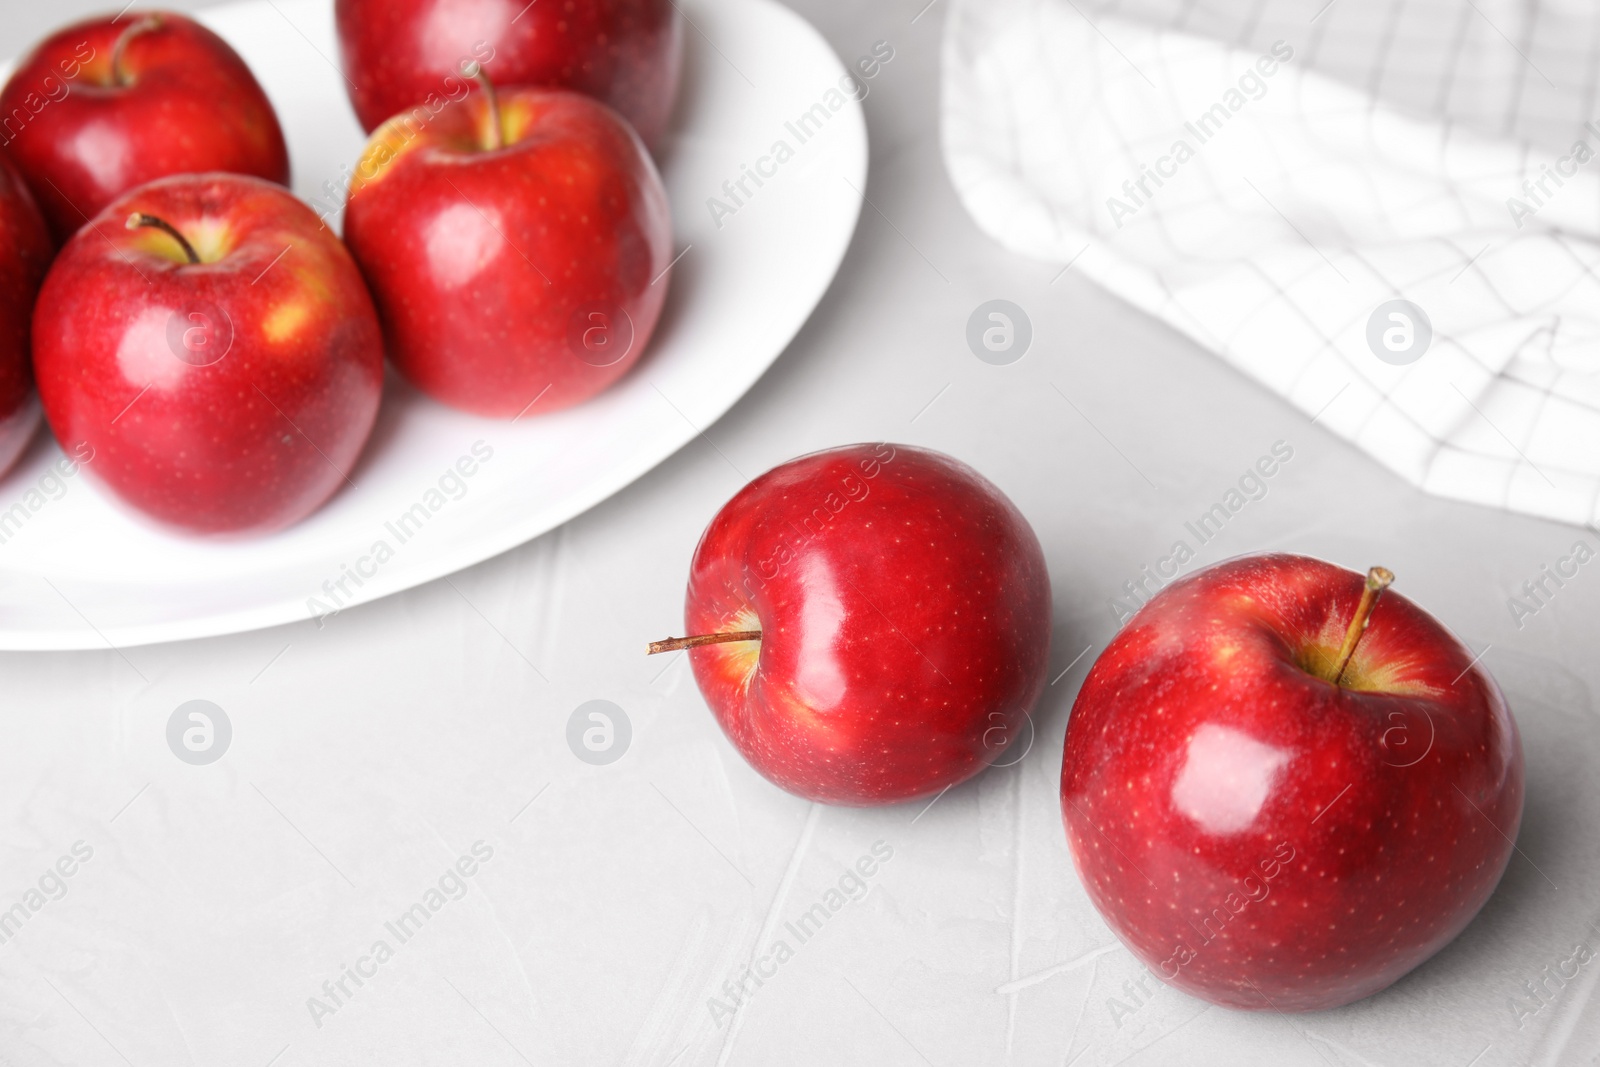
<point>78,570</point>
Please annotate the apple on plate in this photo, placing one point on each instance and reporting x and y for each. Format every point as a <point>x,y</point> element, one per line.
<point>215,346</point>
<point>399,54</point>
<point>869,624</point>
<point>1283,792</point>
<point>108,104</point>
<point>517,245</point>
<point>25,250</point>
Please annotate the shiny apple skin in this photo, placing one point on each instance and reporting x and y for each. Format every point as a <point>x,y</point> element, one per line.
<point>904,608</point>
<point>190,105</point>
<point>1201,761</point>
<point>255,440</point>
<point>25,251</point>
<point>480,259</point>
<point>626,53</point>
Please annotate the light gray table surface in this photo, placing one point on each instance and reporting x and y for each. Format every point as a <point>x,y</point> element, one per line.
<point>367,755</point>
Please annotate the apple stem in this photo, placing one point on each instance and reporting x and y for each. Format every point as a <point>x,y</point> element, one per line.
<point>150,22</point>
<point>476,72</point>
<point>1378,579</point>
<point>672,644</point>
<point>139,219</point>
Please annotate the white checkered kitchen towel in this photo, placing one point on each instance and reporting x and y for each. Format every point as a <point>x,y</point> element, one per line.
<point>1271,176</point>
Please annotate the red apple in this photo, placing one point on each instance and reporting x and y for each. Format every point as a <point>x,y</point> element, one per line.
<point>111,103</point>
<point>214,344</point>
<point>1267,829</point>
<point>870,623</point>
<point>517,246</point>
<point>399,54</point>
<point>25,250</point>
